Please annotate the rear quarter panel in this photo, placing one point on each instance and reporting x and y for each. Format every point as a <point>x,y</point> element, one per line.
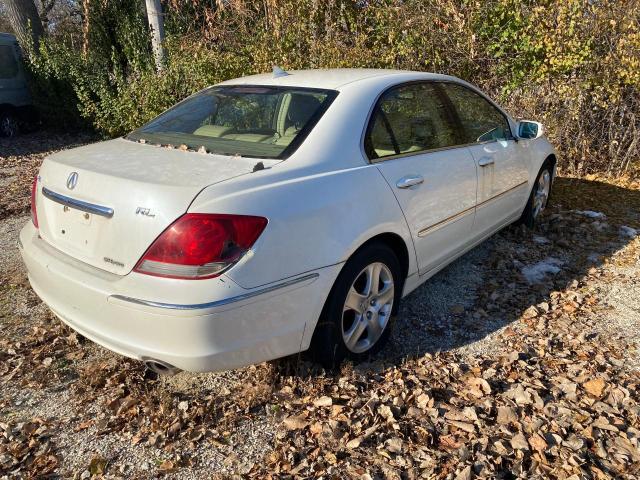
<point>316,219</point>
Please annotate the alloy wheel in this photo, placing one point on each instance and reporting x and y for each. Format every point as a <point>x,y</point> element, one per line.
<point>368,307</point>
<point>541,195</point>
<point>8,126</point>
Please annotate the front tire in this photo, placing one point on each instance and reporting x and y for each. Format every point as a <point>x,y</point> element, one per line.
<point>357,317</point>
<point>539,197</point>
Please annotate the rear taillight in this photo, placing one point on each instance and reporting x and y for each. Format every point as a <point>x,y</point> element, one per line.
<point>34,212</point>
<point>199,245</point>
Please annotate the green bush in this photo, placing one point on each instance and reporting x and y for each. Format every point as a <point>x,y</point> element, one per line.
<point>575,65</point>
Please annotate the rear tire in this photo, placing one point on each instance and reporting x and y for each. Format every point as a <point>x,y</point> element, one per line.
<point>539,196</point>
<point>356,320</point>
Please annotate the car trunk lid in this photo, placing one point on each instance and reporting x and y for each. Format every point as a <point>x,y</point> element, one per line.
<point>105,203</point>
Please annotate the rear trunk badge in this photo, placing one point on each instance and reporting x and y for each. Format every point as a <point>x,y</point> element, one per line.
<point>72,181</point>
<point>145,211</point>
<point>113,262</point>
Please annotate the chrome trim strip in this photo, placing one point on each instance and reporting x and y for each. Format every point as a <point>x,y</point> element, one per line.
<point>452,218</point>
<point>430,150</point>
<point>217,303</point>
<point>484,202</point>
<point>441,223</point>
<point>78,204</point>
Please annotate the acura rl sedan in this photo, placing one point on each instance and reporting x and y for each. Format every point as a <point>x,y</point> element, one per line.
<point>277,213</point>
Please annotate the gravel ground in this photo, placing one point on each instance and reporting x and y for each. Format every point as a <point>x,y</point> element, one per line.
<point>231,422</point>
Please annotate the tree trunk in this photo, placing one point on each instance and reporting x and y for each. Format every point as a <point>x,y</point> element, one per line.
<point>156,24</point>
<point>26,23</point>
<point>86,19</point>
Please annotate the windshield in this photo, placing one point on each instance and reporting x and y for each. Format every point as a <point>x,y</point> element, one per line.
<point>250,121</point>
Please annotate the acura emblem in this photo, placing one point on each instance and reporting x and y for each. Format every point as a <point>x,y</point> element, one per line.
<point>72,181</point>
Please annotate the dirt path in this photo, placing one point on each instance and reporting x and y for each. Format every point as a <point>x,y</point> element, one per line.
<point>521,358</point>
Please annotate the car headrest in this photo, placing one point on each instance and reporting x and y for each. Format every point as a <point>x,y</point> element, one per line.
<point>301,108</point>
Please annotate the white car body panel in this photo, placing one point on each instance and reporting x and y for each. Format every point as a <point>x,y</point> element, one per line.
<point>440,218</point>
<point>503,184</point>
<point>229,335</point>
<point>124,176</point>
<point>323,203</point>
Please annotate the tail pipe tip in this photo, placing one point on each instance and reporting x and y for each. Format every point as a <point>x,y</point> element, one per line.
<point>160,367</point>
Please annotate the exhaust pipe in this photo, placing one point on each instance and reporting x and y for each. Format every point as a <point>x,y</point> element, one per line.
<point>160,367</point>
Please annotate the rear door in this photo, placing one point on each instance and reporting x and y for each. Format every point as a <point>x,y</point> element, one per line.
<point>413,140</point>
<point>502,170</point>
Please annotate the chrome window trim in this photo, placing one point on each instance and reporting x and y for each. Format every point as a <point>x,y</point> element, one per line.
<point>78,204</point>
<point>217,303</point>
<point>432,150</point>
<point>463,84</point>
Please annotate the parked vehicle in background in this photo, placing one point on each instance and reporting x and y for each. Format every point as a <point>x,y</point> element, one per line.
<point>16,108</point>
<point>273,214</point>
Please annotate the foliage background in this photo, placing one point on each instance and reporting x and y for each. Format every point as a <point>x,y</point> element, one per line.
<point>572,64</point>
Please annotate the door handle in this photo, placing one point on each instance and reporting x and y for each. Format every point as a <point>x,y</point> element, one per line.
<point>409,181</point>
<point>485,161</point>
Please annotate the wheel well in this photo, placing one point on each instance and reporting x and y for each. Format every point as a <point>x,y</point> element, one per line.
<point>551,159</point>
<point>397,244</point>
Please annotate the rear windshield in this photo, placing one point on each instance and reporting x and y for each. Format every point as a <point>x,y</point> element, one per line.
<point>250,121</point>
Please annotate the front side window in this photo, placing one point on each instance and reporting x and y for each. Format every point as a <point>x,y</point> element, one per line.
<point>410,118</point>
<point>8,63</point>
<point>251,121</point>
<point>481,121</point>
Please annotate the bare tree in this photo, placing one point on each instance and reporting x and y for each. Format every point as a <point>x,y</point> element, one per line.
<point>25,21</point>
<point>156,24</point>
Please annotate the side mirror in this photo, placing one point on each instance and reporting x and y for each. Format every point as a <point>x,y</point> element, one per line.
<point>528,129</point>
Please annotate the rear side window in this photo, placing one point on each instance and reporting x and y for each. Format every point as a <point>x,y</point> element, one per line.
<point>8,63</point>
<point>410,118</point>
<point>481,121</point>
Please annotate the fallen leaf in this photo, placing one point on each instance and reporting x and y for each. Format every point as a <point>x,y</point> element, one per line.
<point>323,402</point>
<point>394,445</point>
<point>478,387</point>
<point>354,443</point>
<point>465,474</point>
<point>537,442</point>
<point>506,415</point>
<point>519,442</point>
<point>295,422</point>
<point>595,387</point>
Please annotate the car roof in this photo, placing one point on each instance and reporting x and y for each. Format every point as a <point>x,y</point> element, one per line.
<point>7,36</point>
<point>330,78</point>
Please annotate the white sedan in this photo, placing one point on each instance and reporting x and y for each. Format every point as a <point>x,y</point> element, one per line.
<point>277,213</point>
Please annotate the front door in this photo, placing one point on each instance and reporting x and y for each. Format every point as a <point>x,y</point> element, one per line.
<point>413,141</point>
<point>502,171</point>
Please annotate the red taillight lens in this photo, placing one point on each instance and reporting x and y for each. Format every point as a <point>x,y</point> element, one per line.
<point>200,245</point>
<point>34,213</point>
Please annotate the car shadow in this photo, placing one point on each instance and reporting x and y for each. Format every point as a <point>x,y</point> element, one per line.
<point>493,285</point>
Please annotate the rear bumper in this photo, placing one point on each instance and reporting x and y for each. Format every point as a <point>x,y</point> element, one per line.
<point>195,325</point>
